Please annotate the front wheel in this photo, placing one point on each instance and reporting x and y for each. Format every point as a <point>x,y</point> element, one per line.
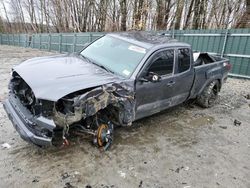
<point>209,95</point>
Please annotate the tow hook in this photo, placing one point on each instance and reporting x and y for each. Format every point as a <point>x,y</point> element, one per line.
<point>104,136</point>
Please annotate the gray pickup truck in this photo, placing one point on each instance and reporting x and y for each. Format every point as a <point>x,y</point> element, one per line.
<point>113,81</point>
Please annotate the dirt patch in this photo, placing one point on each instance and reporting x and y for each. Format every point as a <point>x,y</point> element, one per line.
<point>185,146</point>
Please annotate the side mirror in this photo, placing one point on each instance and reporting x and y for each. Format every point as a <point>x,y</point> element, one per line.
<point>153,77</point>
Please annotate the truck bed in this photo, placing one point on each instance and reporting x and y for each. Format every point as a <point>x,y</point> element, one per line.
<point>208,67</point>
<point>204,58</point>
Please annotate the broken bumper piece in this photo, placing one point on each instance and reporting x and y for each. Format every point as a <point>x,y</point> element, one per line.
<point>37,130</point>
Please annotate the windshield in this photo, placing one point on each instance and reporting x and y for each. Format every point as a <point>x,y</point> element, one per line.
<point>116,55</point>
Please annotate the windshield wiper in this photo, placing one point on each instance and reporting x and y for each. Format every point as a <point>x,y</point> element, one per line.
<point>86,58</point>
<point>97,64</point>
<point>105,68</point>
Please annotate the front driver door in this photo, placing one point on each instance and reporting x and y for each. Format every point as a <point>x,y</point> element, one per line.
<point>152,97</point>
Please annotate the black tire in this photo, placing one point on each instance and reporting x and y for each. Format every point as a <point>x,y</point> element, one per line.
<point>209,95</point>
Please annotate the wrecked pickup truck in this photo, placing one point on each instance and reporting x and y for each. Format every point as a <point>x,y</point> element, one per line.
<point>115,80</point>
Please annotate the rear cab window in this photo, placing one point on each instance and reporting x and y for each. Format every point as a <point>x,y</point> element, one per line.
<point>183,59</point>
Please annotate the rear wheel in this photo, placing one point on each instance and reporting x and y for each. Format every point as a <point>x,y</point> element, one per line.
<point>209,96</point>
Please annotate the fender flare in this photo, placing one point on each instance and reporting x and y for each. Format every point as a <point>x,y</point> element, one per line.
<point>211,79</point>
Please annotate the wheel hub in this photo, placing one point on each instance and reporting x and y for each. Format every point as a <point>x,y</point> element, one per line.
<point>104,136</point>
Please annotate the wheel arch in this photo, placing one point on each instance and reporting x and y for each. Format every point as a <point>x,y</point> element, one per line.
<point>209,81</point>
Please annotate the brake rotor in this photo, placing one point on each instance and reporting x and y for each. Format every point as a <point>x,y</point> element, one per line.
<point>104,136</point>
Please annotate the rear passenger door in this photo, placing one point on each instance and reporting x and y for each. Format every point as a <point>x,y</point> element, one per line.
<point>183,75</point>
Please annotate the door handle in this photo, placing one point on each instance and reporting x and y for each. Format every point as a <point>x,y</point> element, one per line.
<point>170,83</point>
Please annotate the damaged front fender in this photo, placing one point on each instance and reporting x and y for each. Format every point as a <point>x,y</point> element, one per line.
<point>118,96</point>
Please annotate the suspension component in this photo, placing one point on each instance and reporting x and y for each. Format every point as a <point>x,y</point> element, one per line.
<point>65,142</point>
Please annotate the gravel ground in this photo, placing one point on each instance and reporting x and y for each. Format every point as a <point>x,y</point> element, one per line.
<point>185,146</point>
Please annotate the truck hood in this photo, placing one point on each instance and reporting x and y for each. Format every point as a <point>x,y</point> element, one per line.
<point>54,77</point>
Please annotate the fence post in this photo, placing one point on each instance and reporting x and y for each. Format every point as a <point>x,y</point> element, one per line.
<point>49,43</point>
<point>224,44</point>
<point>60,43</point>
<point>13,40</point>
<point>19,39</point>
<point>26,39</point>
<point>173,33</point>
<point>90,37</point>
<point>33,41</point>
<point>40,42</point>
<point>74,43</point>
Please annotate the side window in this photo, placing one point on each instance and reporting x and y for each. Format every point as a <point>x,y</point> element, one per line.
<point>163,63</point>
<point>183,59</point>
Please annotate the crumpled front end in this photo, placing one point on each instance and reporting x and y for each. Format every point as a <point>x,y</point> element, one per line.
<point>93,111</point>
<point>38,130</point>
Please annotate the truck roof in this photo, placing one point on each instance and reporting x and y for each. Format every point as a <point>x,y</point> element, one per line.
<point>148,40</point>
